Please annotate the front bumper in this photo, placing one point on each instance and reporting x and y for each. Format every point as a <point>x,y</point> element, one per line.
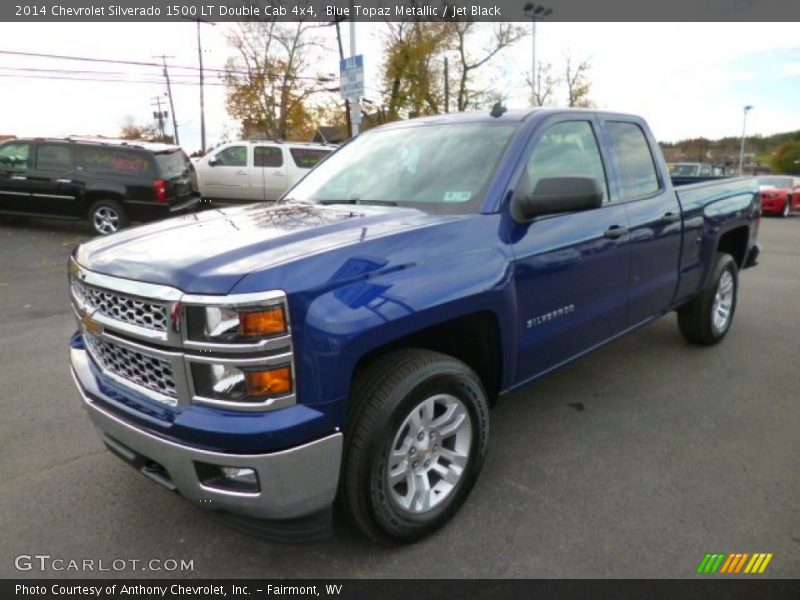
<point>293,483</point>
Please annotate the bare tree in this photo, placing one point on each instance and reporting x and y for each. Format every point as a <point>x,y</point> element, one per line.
<point>270,78</point>
<point>578,83</point>
<point>546,84</point>
<point>503,36</point>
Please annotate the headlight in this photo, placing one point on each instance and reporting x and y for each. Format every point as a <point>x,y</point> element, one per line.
<point>241,384</point>
<point>226,324</point>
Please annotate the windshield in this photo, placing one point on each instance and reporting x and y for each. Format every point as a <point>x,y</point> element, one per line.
<point>778,182</point>
<point>443,168</point>
<point>172,164</point>
<point>684,169</point>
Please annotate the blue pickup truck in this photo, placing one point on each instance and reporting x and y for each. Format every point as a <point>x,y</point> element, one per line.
<point>342,346</point>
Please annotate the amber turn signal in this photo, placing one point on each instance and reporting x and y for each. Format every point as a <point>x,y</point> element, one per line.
<point>268,383</point>
<point>263,322</point>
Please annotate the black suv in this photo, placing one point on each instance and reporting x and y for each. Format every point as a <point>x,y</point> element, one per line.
<point>110,183</point>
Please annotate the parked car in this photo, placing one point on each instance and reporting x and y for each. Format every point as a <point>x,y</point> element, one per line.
<point>685,173</point>
<point>110,183</point>
<point>780,194</point>
<point>256,170</point>
<point>347,341</point>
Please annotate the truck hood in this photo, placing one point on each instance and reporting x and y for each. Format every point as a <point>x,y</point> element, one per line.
<point>209,252</point>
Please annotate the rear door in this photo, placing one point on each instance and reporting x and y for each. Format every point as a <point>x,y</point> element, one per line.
<point>225,174</point>
<point>268,177</point>
<point>654,214</point>
<point>571,270</point>
<point>15,195</point>
<point>52,180</point>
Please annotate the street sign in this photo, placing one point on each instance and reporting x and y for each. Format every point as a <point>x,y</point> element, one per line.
<point>351,77</point>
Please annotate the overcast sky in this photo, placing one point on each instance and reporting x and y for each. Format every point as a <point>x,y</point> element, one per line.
<point>687,79</point>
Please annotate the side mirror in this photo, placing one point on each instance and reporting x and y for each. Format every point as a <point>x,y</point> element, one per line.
<point>213,162</point>
<point>554,195</point>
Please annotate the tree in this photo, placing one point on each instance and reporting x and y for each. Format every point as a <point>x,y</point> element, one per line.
<point>578,83</point>
<point>786,159</point>
<point>546,84</point>
<point>413,68</point>
<point>129,130</point>
<point>268,80</point>
<point>503,36</point>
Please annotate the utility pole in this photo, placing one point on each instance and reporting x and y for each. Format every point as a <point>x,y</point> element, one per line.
<point>446,86</point>
<point>169,94</point>
<point>341,57</point>
<point>534,12</point>
<point>747,109</point>
<point>159,115</point>
<point>355,109</point>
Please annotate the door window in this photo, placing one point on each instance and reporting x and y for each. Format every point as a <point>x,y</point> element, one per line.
<point>113,161</point>
<point>268,156</point>
<point>567,149</point>
<point>54,157</point>
<point>14,157</point>
<point>233,156</point>
<point>305,158</point>
<point>635,161</point>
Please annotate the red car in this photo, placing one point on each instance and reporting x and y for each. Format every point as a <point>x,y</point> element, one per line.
<point>780,194</point>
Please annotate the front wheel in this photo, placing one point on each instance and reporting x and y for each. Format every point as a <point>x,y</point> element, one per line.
<point>415,442</point>
<point>707,319</point>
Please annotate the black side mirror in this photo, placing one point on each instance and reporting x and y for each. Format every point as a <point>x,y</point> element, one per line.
<point>213,162</point>
<point>557,195</point>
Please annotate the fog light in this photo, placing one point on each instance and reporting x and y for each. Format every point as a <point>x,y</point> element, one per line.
<point>240,475</point>
<point>267,383</point>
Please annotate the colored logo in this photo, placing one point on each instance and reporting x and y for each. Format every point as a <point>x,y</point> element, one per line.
<point>734,563</point>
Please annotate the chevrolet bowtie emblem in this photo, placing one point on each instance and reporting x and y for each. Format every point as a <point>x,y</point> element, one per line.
<point>90,325</point>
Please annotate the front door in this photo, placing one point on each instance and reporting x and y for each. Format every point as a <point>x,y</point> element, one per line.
<point>226,174</point>
<point>571,269</point>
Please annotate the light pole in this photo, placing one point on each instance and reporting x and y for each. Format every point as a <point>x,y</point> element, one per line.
<point>533,12</point>
<point>747,109</point>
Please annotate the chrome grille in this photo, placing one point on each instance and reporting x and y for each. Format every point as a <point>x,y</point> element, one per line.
<point>121,307</point>
<point>147,371</point>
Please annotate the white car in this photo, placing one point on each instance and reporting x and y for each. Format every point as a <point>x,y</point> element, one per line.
<point>256,170</point>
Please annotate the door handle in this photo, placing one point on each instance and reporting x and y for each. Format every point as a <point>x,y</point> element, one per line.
<point>615,231</point>
<point>671,217</point>
<point>18,177</point>
<point>241,172</point>
<point>278,174</point>
<point>63,180</point>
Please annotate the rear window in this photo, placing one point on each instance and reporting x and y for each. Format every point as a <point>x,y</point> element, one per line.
<point>114,160</point>
<point>306,158</point>
<point>172,164</point>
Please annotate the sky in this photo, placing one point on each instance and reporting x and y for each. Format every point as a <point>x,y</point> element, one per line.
<point>686,79</point>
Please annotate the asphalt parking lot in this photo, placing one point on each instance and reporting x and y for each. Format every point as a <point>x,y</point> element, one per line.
<point>633,462</point>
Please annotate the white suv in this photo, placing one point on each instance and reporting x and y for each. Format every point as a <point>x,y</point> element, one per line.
<point>256,170</point>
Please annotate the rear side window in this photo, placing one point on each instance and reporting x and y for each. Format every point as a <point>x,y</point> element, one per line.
<point>14,157</point>
<point>268,156</point>
<point>172,164</point>
<point>53,157</point>
<point>634,158</point>
<point>567,148</point>
<point>306,158</point>
<point>114,161</point>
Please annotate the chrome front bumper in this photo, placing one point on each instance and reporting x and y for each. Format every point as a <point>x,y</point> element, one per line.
<point>293,483</point>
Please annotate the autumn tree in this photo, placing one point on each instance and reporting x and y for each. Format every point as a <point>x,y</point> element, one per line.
<point>503,35</point>
<point>413,68</point>
<point>786,159</point>
<point>269,80</point>
<point>130,130</point>
<point>578,83</point>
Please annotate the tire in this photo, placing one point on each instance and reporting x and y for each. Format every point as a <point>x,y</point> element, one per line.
<point>701,321</point>
<point>107,217</point>
<point>388,403</point>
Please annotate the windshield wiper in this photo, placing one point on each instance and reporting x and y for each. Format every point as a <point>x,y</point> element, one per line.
<point>359,201</point>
